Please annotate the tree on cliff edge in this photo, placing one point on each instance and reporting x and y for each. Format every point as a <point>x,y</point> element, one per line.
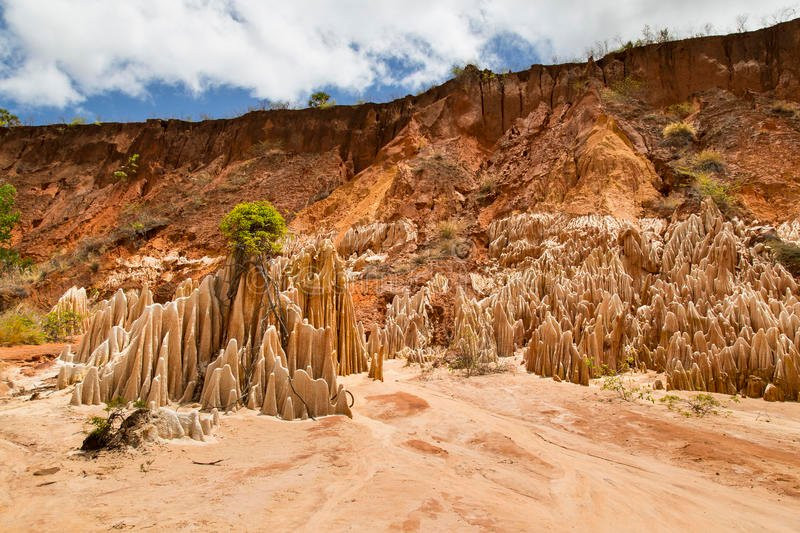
<point>8,119</point>
<point>321,100</point>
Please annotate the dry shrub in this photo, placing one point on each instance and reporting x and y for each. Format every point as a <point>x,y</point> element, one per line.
<point>679,133</point>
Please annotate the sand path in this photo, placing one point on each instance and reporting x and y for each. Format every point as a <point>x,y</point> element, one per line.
<point>499,452</point>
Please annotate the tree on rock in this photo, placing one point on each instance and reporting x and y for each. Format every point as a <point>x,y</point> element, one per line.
<point>254,228</point>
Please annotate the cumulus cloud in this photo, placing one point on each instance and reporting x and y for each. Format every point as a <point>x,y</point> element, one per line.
<point>59,52</point>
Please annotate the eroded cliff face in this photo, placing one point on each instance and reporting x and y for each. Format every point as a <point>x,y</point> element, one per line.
<point>564,137</point>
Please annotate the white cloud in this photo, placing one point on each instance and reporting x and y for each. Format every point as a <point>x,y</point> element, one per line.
<point>58,52</point>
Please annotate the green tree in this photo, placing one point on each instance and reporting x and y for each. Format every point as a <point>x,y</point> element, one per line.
<point>321,100</point>
<point>8,119</point>
<point>254,228</point>
<point>8,219</point>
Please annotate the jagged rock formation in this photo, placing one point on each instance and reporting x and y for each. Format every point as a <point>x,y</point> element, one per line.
<point>407,329</point>
<point>272,337</point>
<point>789,231</point>
<point>688,298</point>
<point>377,237</point>
<point>74,300</point>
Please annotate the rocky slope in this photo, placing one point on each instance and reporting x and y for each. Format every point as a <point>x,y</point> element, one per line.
<point>580,138</point>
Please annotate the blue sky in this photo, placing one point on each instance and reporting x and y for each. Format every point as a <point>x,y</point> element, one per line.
<point>129,60</point>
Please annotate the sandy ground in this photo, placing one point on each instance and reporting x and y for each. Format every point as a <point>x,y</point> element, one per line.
<point>437,452</point>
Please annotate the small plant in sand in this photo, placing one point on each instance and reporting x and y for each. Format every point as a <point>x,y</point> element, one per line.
<point>679,133</point>
<point>698,405</point>
<point>626,389</point>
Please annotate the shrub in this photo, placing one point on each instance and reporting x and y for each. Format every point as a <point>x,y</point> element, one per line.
<point>8,119</point>
<point>679,133</point>
<point>621,91</point>
<point>254,228</point>
<point>447,229</point>
<point>720,192</point>
<point>60,325</point>
<point>129,169</point>
<point>709,161</point>
<point>20,326</point>
<point>628,87</point>
<point>784,109</point>
<point>681,110</point>
<point>321,100</point>
<point>487,191</point>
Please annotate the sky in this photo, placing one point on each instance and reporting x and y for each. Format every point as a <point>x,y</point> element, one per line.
<point>130,60</point>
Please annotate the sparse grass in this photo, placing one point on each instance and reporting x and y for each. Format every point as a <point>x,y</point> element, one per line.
<point>448,229</point>
<point>487,191</point>
<point>708,161</point>
<point>720,192</point>
<point>471,364</point>
<point>20,326</point>
<point>623,90</point>
<point>116,403</point>
<point>680,110</point>
<point>100,425</point>
<point>139,228</point>
<point>679,133</point>
<point>783,108</point>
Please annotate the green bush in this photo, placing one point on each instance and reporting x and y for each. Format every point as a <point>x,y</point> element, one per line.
<point>720,192</point>
<point>129,169</point>
<point>709,161</point>
<point>254,228</point>
<point>8,119</point>
<point>20,326</point>
<point>679,133</point>
<point>60,325</point>
<point>321,100</point>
